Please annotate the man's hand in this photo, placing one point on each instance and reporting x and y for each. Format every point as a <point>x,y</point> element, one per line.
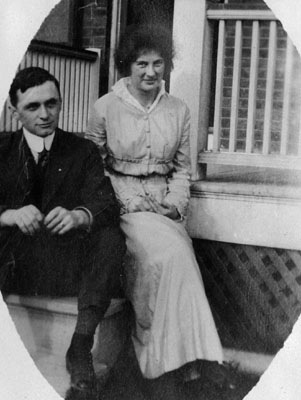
<point>28,219</point>
<point>59,220</point>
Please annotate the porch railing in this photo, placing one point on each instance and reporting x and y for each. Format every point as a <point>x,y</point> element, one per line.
<point>78,74</point>
<point>257,101</point>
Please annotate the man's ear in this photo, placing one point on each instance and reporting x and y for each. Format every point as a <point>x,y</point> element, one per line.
<point>13,111</point>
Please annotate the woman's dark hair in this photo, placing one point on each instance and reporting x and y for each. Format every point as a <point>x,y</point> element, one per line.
<point>27,78</point>
<point>139,38</point>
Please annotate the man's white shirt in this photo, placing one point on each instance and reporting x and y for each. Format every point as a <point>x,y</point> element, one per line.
<point>37,143</point>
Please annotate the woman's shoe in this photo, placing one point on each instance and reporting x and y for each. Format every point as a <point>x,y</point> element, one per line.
<point>190,373</point>
<point>223,376</point>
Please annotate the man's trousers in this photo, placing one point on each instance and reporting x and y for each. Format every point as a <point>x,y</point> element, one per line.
<point>87,265</point>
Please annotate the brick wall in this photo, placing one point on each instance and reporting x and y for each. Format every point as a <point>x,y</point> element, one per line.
<point>95,25</point>
<point>94,19</point>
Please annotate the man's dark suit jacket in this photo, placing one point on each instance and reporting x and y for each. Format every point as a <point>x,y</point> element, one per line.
<point>74,178</point>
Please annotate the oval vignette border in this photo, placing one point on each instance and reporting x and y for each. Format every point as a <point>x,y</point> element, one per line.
<point>19,377</point>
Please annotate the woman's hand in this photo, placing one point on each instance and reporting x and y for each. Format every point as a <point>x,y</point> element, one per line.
<point>140,203</point>
<point>163,208</point>
<point>149,203</point>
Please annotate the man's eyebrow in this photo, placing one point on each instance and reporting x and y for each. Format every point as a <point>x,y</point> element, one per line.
<point>33,104</point>
<point>52,100</point>
<point>37,104</point>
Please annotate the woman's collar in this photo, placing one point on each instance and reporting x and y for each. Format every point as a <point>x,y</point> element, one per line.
<point>121,90</point>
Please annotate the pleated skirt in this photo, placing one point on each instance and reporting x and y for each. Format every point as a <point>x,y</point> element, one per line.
<point>174,323</point>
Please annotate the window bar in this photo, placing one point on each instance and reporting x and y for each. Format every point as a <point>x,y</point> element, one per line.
<point>71,99</point>
<point>5,118</point>
<point>252,88</point>
<point>74,124</point>
<point>269,89</point>
<point>51,64</point>
<point>67,93</point>
<point>62,87</point>
<point>27,61</point>
<point>34,60</point>
<point>86,95</point>
<point>81,98</point>
<point>235,86</point>
<point>90,103</point>
<point>286,96</point>
<point>41,61</point>
<point>57,68</point>
<point>219,87</point>
<point>57,73</point>
<point>48,63</point>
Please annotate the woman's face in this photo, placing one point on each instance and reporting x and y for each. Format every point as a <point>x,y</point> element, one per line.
<point>147,71</point>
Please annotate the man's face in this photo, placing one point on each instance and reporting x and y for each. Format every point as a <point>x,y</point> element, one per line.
<point>38,109</point>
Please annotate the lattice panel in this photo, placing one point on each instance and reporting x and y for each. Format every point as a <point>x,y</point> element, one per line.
<point>254,292</point>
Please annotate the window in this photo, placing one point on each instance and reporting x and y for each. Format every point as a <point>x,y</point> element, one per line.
<point>60,25</point>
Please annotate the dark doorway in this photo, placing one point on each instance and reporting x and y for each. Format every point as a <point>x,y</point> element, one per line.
<point>151,11</point>
<point>145,11</point>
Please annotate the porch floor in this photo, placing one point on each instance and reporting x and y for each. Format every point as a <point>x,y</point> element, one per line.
<point>126,383</point>
<point>46,327</point>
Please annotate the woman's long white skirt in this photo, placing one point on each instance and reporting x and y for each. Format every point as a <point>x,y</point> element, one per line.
<point>174,323</point>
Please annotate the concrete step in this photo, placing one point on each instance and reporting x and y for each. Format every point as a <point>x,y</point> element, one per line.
<point>46,326</point>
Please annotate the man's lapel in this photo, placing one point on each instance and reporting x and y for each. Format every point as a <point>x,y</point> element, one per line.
<point>20,165</point>
<point>60,161</point>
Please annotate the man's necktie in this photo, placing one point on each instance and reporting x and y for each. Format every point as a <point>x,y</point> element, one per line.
<point>43,158</point>
<point>38,186</point>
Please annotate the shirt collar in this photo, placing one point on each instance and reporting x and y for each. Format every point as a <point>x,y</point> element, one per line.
<point>37,143</point>
<point>121,90</point>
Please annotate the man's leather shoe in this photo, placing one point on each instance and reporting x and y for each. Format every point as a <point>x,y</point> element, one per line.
<point>75,394</point>
<point>79,363</point>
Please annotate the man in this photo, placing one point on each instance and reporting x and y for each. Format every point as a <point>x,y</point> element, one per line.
<point>59,219</point>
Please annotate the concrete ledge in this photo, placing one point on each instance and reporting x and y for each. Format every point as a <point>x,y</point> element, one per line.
<point>59,305</point>
<point>281,193</point>
<point>46,325</point>
<point>244,217</point>
<point>253,363</point>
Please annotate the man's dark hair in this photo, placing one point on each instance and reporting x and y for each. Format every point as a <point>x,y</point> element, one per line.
<point>139,38</point>
<point>27,78</point>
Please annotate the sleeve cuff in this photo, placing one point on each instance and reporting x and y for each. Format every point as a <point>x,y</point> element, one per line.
<point>181,216</point>
<point>2,209</point>
<point>88,212</point>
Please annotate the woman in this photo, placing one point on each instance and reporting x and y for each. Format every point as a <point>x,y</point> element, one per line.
<point>143,134</point>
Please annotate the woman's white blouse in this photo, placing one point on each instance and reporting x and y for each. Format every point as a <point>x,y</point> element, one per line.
<point>142,142</point>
